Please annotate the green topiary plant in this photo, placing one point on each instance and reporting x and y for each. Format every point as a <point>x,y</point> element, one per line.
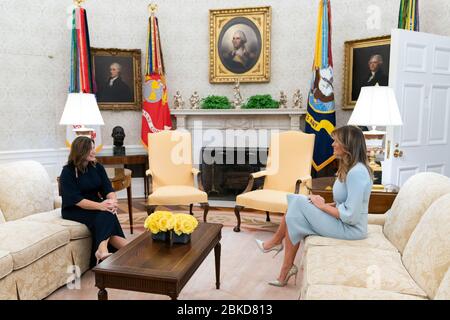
<point>215,102</point>
<point>261,101</point>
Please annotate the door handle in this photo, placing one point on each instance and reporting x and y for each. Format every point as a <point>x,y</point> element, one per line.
<point>397,152</point>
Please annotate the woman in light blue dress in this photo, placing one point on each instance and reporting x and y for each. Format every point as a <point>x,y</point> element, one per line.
<point>345,218</point>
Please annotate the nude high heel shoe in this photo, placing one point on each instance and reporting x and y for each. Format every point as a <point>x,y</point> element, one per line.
<point>278,248</point>
<point>292,272</point>
<point>101,257</point>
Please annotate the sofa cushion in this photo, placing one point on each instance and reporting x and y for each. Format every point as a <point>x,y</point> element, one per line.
<point>6,263</point>
<point>77,230</point>
<point>375,239</point>
<point>375,218</point>
<point>27,241</point>
<point>443,292</point>
<point>331,292</point>
<point>413,199</point>
<point>358,267</point>
<point>25,188</point>
<point>265,199</point>
<point>427,253</point>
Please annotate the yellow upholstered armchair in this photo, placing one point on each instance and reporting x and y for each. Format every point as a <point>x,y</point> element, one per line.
<point>288,171</point>
<point>170,174</point>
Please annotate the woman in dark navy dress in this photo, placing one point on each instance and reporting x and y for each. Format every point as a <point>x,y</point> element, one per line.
<point>88,198</point>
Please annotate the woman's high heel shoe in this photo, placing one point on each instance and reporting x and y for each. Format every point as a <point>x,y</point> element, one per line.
<point>101,257</point>
<point>276,248</point>
<point>293,271</point>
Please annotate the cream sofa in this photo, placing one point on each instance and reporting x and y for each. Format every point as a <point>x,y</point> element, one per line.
<point>38,249</point>
<point>406,257</point>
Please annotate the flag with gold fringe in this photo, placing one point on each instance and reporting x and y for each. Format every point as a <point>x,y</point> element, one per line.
<point>81,75</point>
<point>320,116</point>
<point>408,17</point>
<point>155,109</point>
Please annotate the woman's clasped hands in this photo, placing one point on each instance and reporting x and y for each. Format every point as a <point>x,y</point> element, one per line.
<point>110,205</point>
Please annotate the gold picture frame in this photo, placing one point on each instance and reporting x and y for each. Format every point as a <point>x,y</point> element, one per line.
<point>239,44</point>
<point>117,75</point>
<point>357,70</point>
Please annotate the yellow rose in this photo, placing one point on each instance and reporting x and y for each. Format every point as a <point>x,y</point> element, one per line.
<point>185,223</point>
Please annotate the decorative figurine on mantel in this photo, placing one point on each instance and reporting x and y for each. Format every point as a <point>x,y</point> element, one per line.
<point>178,101</point>
<point>297,99</point>
<point>195,101</point>
<point>283,100</point>
<point>118,135</point>
<point>237,103</point>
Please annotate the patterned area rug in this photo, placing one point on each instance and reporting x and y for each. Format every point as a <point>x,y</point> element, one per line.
<point>251,220</point>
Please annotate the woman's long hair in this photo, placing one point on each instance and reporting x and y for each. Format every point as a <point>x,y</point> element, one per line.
<point>79,151</point>
<point>352,140</point>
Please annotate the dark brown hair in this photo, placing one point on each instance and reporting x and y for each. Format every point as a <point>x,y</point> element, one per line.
<point>352,140</point>
<point>79,151</point>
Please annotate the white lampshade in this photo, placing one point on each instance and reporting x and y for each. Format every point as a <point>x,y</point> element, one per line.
<point>376,106</point>
<point>81,109</point>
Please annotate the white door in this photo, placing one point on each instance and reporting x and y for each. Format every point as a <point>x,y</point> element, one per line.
<point>420,76</point>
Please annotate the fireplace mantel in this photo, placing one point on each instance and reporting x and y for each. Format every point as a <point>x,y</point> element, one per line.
<point>282,119</point>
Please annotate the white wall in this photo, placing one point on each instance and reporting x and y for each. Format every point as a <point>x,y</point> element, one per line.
<point>35,42</point>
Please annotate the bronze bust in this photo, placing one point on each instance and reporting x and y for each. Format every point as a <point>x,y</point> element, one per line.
<point>118,135</point>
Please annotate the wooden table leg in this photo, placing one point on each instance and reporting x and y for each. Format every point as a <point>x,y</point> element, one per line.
<point>102,294</point>
<point>130,208</point>
<point>173,296</point>
<point>217,250</point>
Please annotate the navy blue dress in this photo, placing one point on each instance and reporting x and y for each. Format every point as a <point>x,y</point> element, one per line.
<point>93,185</point>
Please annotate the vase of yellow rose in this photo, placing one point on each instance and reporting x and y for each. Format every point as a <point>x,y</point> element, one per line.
<point>169,227</point>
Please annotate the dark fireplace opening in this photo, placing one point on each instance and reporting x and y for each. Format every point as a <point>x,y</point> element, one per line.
<point>225,171</point>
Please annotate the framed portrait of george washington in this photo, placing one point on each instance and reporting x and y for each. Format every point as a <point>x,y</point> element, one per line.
<point>117,75</point>
<point>239,45</point>
<point>366,64</point>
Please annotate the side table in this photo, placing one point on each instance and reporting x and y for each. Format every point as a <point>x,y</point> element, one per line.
<point>133,159</point>
<point>380,200</point>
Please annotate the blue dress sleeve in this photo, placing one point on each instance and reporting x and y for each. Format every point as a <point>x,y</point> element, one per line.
<point>351,209</point>
<point>106,183</point>
<point>70,191</point>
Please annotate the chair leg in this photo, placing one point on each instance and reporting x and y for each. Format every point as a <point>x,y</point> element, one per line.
<point>205,207</point>
<point>190,209</point>
<point>237,210</point>
<point>130,208</point>
<point>151,209</point>
<point>267,216</point>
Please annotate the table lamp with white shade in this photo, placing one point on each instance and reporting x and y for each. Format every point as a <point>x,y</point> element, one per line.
<point>376,106</point>
<point>81,109</point>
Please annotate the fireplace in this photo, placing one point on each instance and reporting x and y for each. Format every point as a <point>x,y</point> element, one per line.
<point>225,171</point>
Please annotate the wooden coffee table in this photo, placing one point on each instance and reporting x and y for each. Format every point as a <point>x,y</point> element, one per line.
<point>156,267</point>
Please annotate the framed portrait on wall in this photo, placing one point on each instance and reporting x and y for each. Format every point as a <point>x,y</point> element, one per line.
<point>366,64</point>
<point>117,74</point>
<point>239,45</point>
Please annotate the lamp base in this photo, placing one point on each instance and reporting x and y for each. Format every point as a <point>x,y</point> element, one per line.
<point>83,131</point>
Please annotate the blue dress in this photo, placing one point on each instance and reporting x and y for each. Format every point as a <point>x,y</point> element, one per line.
<point>93,185</point>
<point>352,200</point>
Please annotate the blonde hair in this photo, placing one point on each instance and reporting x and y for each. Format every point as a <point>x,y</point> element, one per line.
<point>353,144</point>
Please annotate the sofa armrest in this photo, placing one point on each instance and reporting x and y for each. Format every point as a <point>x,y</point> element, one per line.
<point>379,219</point>
<point>149,177</point>
<point>57,202</point>
<point>253,176</point>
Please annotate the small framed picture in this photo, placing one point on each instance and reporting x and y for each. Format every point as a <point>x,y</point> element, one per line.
<point>239,45</point>
<point>117,74</point>
<point>366,64</point>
